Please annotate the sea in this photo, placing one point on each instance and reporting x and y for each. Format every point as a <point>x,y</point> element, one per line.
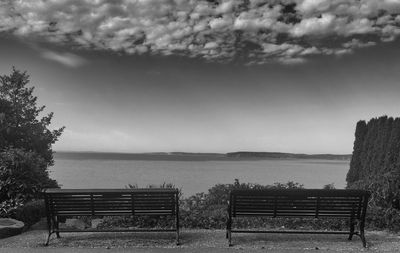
<point>191,173</point>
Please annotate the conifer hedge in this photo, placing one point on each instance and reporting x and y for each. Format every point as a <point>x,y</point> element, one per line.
<point>375,166</point>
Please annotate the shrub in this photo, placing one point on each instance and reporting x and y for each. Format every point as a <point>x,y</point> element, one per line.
<point>141,221</point>
<point>381,214</point>
<point>31,212</point>
<point>330,186</point>
<point>209,210</point>
<point>23,174</point>
<point>137,222</point>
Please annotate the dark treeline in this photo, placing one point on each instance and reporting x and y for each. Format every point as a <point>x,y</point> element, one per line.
<point>376,149</point>
<point>375,165</point>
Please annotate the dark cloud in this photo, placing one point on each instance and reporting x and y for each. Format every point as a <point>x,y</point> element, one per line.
<point>221,30</point>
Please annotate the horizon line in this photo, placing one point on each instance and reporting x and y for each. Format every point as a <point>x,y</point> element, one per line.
<point>172,152</point>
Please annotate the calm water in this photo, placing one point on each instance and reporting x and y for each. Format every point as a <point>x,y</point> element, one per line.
<point>195,176</point>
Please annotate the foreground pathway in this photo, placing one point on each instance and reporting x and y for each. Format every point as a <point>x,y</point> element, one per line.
<point>196,241</point>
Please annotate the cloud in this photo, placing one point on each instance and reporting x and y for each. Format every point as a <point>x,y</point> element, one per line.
<point>355,43</point>
<point>67,59</point>
<point>220,30</point>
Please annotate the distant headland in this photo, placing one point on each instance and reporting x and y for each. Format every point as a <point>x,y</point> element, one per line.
<point>247,154</point>
<point>188,156</point>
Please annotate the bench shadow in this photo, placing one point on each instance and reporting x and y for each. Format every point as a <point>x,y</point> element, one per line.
<point>212,238</point>
<point>113,239</point>
<point>292,240</point>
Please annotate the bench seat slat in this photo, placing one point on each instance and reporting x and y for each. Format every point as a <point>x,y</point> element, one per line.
<point>272,198</point>
<point>98,213</point>
<point>293,210</point>
<point>339,207</point>
<point>169,197</point>
<point>313,202</point>
<point>290,214</point>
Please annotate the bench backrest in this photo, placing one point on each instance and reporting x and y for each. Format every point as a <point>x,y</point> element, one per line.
<point>70,202</point>
<point>299,203</point>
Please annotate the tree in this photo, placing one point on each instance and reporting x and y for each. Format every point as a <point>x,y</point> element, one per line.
<point>25,138</point>
<point>21,127</point>
<point>356,163</point>
<point>375,166</point>
<point>393,149</point>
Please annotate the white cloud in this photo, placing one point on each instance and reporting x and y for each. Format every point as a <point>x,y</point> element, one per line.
<point>355,43</point>
<point>210,45</point>
<point>220,30</point>
<point>67,59</point>
<point>225,7</point>
<point>314,25</point>
<point>308,6</point>
<point>219,23</point>
<point>291,61</point>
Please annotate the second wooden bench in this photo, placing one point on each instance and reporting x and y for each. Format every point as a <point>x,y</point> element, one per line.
<point>61,203</point>
<point>308,203</point>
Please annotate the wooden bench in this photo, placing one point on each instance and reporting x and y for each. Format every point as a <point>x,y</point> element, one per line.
<point>61,203</point>
<point>309,203</point>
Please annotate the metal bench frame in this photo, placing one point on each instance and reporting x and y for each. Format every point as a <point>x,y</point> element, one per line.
<point>311,203</point>
<point>61,203</point>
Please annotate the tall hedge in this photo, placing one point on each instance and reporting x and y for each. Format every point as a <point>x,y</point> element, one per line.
<point>375,166</point>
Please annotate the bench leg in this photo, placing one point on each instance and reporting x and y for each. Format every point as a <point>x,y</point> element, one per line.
<point>177,221</point>
<point>229,231</point>
<point>50,228</point>
<point>364,241</point>
<point>362,234</point>
<point>58,228</point>
<point>51,231</point>
<point>177,238</point>
<point>230,238</point>
<point>177,231</point>
<point>351,230</point>
<point>48,239</point>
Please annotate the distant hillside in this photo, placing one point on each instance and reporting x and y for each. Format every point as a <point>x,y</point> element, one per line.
<point>195,154</point>
<point>186,156</point>
<point>261,155</point>
<point>154,156</point>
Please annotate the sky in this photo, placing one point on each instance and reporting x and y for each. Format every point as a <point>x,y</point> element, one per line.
<point>206,76</point>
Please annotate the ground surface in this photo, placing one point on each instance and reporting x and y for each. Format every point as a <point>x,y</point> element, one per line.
<point>209,241</point>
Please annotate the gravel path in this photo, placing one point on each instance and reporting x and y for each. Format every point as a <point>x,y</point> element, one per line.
<point>197,241</point>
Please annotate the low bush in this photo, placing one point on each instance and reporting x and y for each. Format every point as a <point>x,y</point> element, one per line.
<point>23,175</point>
<point>209,211</point>
<point>140,221</point>
<point>31,212</point>
<point>381,212</point>
<point>137,222</point>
